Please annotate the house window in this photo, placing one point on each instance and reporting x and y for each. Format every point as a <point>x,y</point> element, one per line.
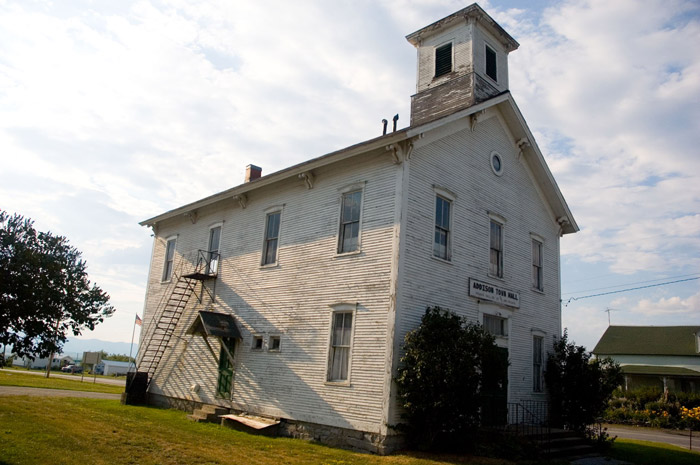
<point>491,70</point>
<point>341,340</point>
<point>213,250</point>
<point>349,239</point>
<point>537,265</point>
<point>441,243</point>
<point>537,361</point>
<point>257,343</point>
<point>274,343</point>
<point>443,59</point>
<point>496,325</point>
<point>169,259</point>
<point>272,232</point>
<point>496,249</point>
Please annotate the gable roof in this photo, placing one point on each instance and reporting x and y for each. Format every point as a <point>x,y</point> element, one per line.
<point>648,340</point>
<point>504,102</point>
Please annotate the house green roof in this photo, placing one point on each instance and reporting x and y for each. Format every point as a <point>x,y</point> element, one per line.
<point>659,370</point>
<point>649,340</point>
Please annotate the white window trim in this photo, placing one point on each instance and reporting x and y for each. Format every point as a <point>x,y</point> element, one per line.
<point>269,211</point>
<point>540,239</point>
<point>354,187</point>
<point>500,312</point>
<point>493,155</point>
<point>502,221</point>
<point>165,258</point>
<point>253,337</point>
<point>219,224</point>
<point>342,307</point>
<point>451,197</point>
<point>538,333</point>
<point>493,49</point>
<point>269,342</point>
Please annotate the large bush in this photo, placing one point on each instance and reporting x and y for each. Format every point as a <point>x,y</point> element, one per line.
<point>579,388</point>
<point>441,377</point>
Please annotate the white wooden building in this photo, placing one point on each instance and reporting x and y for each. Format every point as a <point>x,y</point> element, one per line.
<point>289,295</point>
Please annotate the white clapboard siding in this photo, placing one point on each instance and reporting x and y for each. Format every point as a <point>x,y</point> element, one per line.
<point>458,160</point>
<point>291,300</point>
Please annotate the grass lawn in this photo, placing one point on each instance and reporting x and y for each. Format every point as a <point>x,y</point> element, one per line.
<point>652,453</point>
<point>19,378</point>
<point>93,431</point>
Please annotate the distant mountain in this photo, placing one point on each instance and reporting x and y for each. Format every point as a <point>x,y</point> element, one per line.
<point>75,347</point>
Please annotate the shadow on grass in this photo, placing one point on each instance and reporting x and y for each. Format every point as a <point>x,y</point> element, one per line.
<point>650,453</point>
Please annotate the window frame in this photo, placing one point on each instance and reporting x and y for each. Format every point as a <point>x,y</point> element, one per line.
<point>500,265</point>
<point>270,345</point>
<point>269,212</point>
<point>443,70</point>
<point>449,198</point>
<point>214,270</point>
<point>538,365</point>
<point>167,273</point>
<point>537,273</point>
<point>487,49</point>
<point>503,323</point>
<point>340,309</point>
<point>253,346</point>
<point>344,192</point>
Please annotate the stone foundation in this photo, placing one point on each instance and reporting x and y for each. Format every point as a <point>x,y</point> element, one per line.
<point>330,435</point>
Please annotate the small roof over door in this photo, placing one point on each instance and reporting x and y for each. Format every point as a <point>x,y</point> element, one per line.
<point>214,324</point>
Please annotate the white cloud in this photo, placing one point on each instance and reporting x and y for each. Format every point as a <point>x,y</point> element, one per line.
<point>113,112</point>
<point>669,306</point>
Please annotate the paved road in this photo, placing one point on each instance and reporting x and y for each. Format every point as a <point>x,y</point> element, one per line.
<point>86,378</point>
<point>26,391</point>
<point>675,437</point>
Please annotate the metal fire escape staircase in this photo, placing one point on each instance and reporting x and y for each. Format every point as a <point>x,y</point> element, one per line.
<point>172,305</point>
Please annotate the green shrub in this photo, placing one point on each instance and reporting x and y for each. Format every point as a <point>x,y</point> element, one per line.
<point>579,388</point>
<point>441,377</point>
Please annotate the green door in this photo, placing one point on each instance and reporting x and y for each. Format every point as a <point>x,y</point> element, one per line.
<point>225,382</point>
<point>494,392</point>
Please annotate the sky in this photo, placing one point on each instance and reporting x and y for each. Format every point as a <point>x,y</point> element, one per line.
<point>114,112</point>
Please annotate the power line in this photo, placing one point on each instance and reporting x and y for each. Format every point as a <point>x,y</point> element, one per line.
<point>627,284</point>
<point>627,290</point>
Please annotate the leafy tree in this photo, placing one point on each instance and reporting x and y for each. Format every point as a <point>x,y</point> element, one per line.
<point>440,378</point>
<point>44,290</point>
<point>579,387</point>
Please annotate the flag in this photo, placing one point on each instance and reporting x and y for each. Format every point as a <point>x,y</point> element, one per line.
<point>138,320</point>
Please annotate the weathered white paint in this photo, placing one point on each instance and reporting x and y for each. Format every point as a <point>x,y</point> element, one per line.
<point>392,278</point>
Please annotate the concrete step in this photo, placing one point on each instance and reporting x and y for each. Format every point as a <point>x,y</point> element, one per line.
<point>208,413</point>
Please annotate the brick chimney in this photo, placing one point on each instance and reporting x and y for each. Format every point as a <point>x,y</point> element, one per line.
<point>252,172</point>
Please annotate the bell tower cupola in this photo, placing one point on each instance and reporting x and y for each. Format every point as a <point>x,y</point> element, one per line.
<point>462,61</point>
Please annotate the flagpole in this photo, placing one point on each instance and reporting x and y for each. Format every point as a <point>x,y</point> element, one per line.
<point>131,348</point>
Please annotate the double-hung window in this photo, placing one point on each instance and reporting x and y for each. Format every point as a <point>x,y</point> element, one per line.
<point>349,236</point>
<point>341,343</point>
<point>537,363</point>
<point>441,242</point>
<point>213,251</point>
<point>169,258</point>
<point>537,265</point>
<point>272,232</point>
<point>496,249</point>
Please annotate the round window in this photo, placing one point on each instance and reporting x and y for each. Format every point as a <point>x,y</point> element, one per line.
<point>496,163</point>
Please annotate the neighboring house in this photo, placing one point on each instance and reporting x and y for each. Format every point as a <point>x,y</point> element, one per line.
<point>41,363</point>
<point>113,368</point>
<point>289,296</point>
<point>667,357</point>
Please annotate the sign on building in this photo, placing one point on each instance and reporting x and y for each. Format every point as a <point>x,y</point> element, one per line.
<point>499,295</point>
